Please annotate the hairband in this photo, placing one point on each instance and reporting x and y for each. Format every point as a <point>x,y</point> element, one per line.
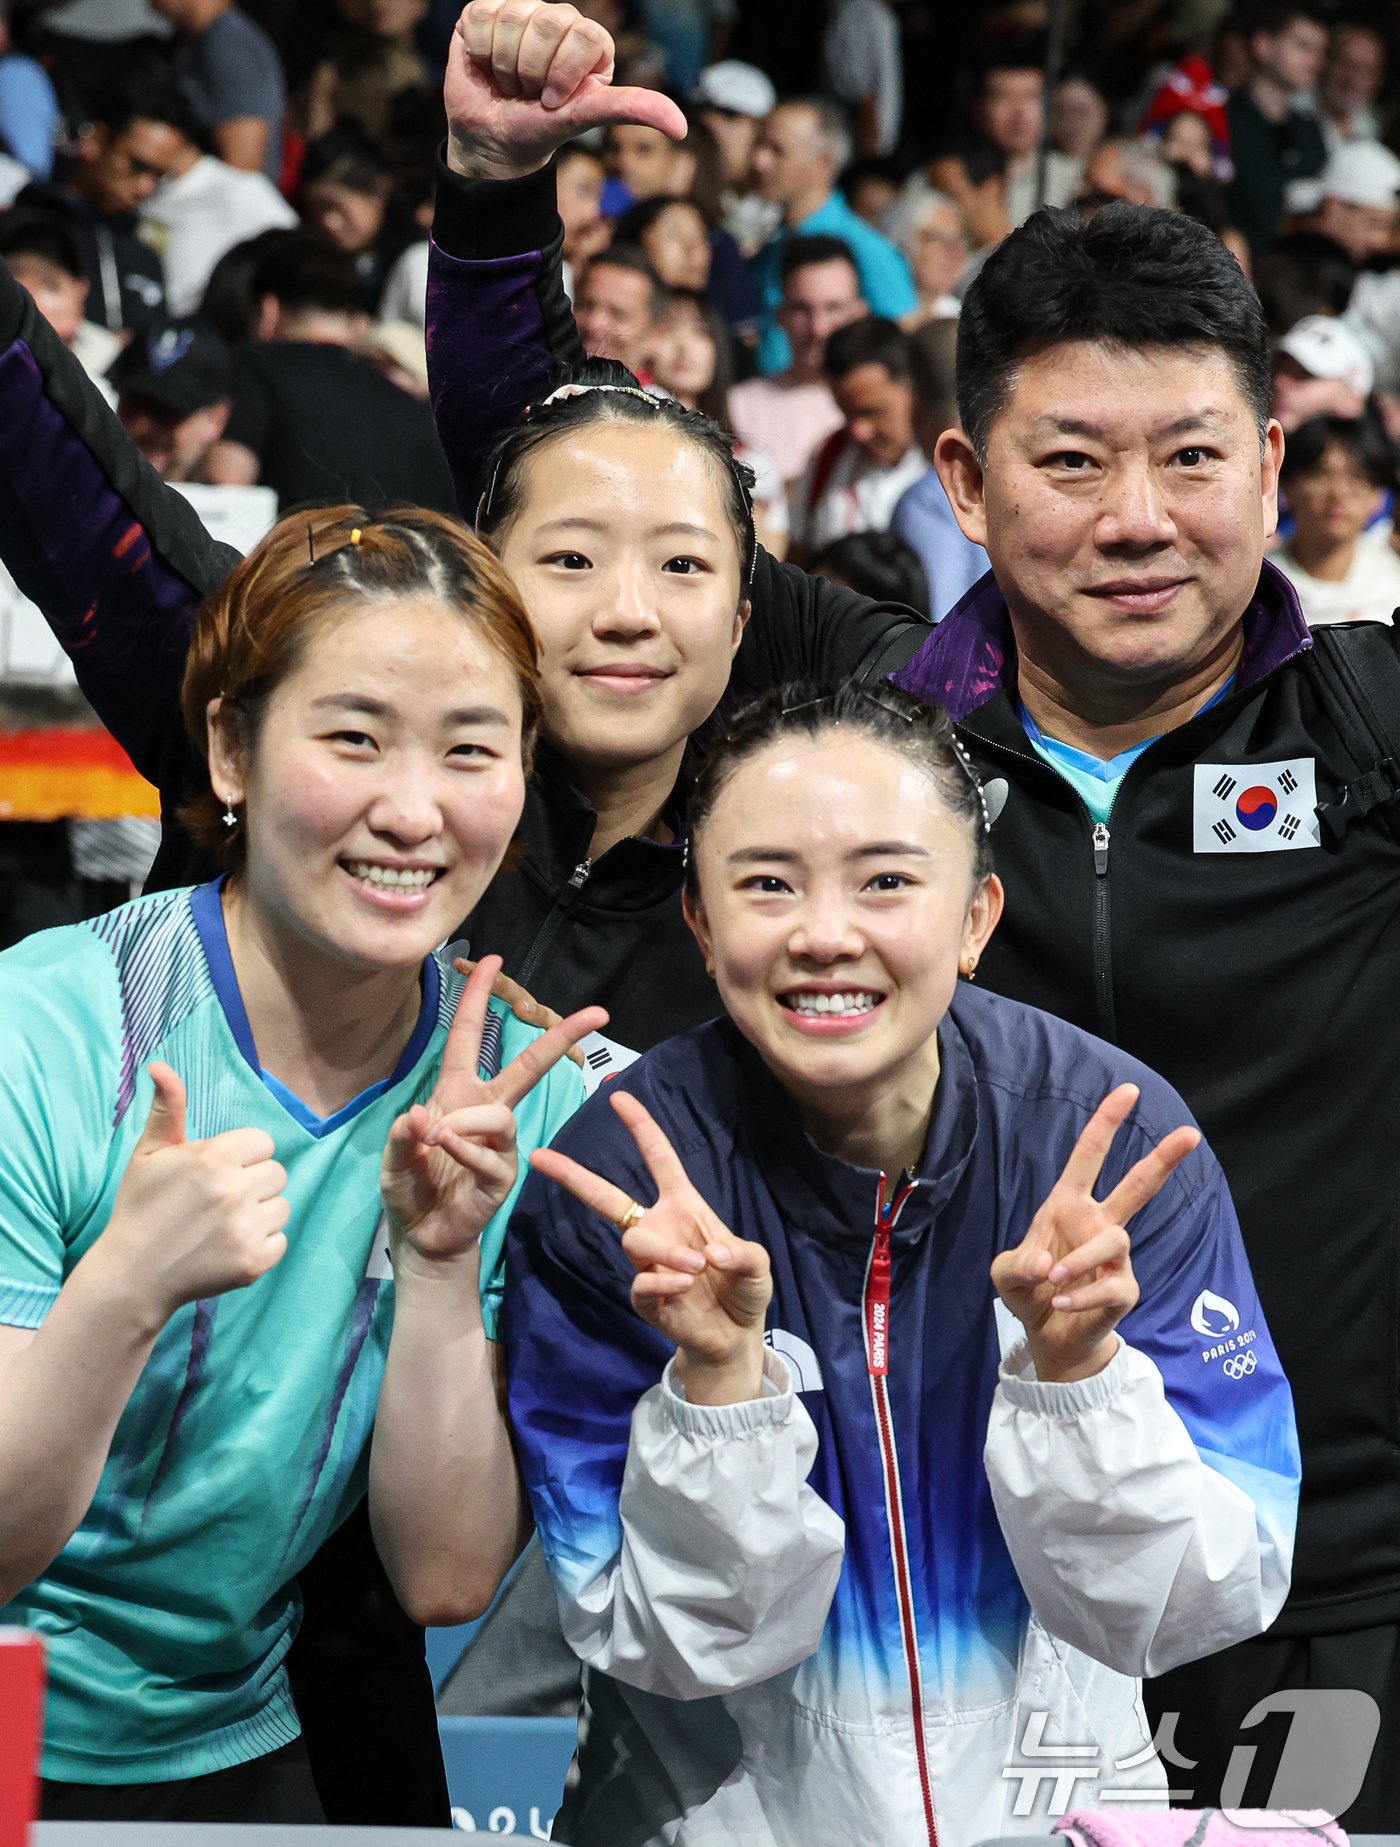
<point>562,393</point>
<point>872,694</point>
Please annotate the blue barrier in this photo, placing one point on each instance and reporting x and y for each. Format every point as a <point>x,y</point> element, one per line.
<point>506,1776</point>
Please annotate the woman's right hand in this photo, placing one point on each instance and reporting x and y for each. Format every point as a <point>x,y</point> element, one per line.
<point>696,1283</point>
<point>192,1219</point>
<point>525,76</point>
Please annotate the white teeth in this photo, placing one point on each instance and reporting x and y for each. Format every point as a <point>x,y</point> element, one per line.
<point>390,878</point>
<point>858,1001</point>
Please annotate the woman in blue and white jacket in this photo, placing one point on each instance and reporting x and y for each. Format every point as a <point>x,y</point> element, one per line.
<point>871,1464</point>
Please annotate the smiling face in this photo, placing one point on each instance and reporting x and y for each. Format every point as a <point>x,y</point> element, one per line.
<point>836,901</point>
<point>384,785</point>
<point>679,247</point>
<point>625,556</point>
<point>1124,503</point>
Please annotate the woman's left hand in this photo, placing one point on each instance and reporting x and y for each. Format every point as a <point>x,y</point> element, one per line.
<point>450,1163</point>
<point>1070,1281</point>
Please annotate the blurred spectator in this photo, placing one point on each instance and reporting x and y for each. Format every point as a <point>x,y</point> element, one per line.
<point>734,100</point>
<point>1352,81</point>
<point>13,179</point>
<point>870,187</point>
<point>804,145</point>
<point>233,77</point>
<point>201,209</point>
<point>639,59</point>
<point>619,300</point>
<point>1274,137</point>
<point>175,390</point>
<point>692,358</point>
<point>1305,273</point>
<point>928,228</point>
<point>344,200</point>
<point>43,255</point>
<point>1202,197</point>
<point>692,34</point>
<point>137,138</point>
<point>578,178</point>
<point>1374,314</point>
<point>400,352</point>
<point>1360,208</point>
<point>857,477</point>
<point>1321,369</point>
<point>790,413</point>
<point>1336,474</point>
<point>862,69</point>
<point>1010,112</point>
<point>29,114</point>
<point>924,518</point>
<point>1132,169</point>
<point>1188,116</point>
<point>1078,118</point>
<point>687,253</point>
<point>876,564</point>
<point>232,306</point>
<point>312,418</point>
<point>373,63</point>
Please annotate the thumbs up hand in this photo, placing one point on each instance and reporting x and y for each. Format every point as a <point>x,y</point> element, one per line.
<point>194,1219</point>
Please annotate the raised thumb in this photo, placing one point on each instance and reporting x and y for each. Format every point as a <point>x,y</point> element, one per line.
<point>165,1126</point>
<point>603,105</point>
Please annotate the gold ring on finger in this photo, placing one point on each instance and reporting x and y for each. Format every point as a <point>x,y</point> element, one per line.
<point>633,1215</point>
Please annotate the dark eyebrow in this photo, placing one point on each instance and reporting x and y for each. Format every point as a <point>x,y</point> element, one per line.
<point>1079,426</point>
<point>376,708</point>
<point>572,523</point>
<point>784,856</point>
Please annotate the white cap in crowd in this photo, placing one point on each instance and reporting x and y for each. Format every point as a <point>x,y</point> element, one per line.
<point>1328,348</point>
<point>1361,173</point>
<point>738,89</point>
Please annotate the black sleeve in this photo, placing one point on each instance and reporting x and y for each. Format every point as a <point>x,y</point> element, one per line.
<point>805,627</point>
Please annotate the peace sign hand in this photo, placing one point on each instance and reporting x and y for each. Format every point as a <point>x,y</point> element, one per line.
<point>696,1283</point>
<point>525,76</point>
<point>450,1163</point>
<point>1070,1281</point>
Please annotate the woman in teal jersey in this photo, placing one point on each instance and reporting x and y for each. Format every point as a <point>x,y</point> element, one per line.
<point>259,1160</point>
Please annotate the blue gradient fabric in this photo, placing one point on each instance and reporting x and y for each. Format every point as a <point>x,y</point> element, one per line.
<point>169,1612</point>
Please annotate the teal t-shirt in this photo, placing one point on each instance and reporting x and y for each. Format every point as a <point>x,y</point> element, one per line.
<point>245,1443</point>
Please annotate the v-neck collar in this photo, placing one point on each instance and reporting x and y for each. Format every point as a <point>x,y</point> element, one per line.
<point>206,906</point>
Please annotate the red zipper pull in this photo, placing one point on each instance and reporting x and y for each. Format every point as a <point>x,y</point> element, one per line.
<point>877,1305</point>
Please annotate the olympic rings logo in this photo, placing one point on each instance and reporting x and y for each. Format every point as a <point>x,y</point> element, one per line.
<point>1240,1365</point>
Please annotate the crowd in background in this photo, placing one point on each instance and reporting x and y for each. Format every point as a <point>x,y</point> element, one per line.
<point>223,209</point>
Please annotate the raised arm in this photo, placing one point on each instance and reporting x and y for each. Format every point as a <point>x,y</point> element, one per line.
<point>117,561</point>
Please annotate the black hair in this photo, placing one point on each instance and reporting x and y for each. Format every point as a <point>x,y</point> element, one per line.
<point>577,150</point>
<point>621,401</point>
<point>637,220</point>
<point>804,252</point>
<point>25,233</point>
<point>868,342</point>
<point>346,155</point>
<point>1307,273</point>
<point>1130,276</point>
<point>920,731</point>
<point>303,275</point>
<point>630,257</point>
<point>232,298</point>
<point>1363,438</point>
<point>148,93</point>
<point>879,565</point>
<point>1274,16</point>
<point>1019,51</point>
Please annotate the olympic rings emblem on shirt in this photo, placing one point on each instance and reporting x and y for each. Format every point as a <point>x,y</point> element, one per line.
<point>1240,1365</point>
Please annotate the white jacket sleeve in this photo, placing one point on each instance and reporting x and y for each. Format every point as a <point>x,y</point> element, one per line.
<point>1130,1546</point>
<point>729,1561</point>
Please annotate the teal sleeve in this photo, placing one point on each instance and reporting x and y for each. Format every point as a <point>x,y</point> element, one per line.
<point>538,1119</point>
<point>57,1094</point>
<point>889,285</point>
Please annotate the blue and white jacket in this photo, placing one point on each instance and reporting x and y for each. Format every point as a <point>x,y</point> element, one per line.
<point>1015,1553</point>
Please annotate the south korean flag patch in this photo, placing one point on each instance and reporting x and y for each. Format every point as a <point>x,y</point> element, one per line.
<point>1255,807</point>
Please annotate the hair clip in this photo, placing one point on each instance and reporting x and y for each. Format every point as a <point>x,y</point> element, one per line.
<point>355,535</point>
<point>976,782</point>
<point>311,540</point>
<point>487,500</point>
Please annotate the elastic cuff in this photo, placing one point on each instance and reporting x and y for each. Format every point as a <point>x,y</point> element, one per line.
<point>477,220</point>
<point>1065,1398</point>
<point>732,1420</point>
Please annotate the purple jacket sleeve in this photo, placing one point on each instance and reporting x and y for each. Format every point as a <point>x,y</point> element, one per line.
<point>499,323</point>
<point>117,561</point>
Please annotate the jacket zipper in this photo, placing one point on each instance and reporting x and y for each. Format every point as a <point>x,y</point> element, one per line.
<point>550,928</point>
<point>1103,945</point>
<point>877,1358</point>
